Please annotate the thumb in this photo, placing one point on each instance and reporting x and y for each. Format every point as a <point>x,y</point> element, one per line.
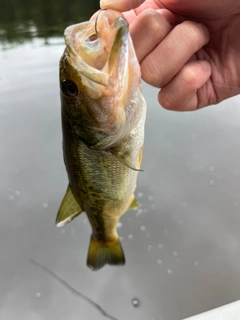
<point>120,5</point>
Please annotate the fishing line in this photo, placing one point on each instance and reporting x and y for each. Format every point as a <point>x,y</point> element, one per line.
<point>97,20</point>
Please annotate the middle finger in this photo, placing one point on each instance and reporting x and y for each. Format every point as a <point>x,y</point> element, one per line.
<point>173,52</point>
<point>149,29</point>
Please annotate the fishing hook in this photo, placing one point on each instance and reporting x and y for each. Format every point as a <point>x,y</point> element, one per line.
<point>97,20</point>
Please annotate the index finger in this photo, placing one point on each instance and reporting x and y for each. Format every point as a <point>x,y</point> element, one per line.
<point>137,6</point>
<point>120,5</point>
<point>111,15</point>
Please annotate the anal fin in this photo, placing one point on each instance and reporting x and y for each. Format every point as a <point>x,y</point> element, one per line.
<point>69,209</point>
<point>134,203</point>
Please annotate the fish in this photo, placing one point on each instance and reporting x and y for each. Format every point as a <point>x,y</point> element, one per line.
<point>103,116</point>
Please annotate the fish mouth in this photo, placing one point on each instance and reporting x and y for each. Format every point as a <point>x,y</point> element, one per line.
<point>98,56</point>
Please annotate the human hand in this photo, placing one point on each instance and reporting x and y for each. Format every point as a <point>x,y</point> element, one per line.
<point>189,49</point>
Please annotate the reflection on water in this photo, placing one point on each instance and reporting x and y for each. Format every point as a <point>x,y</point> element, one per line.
<point>22,20</point>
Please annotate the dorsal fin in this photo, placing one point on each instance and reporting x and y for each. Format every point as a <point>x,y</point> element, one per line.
<point>68,210</point>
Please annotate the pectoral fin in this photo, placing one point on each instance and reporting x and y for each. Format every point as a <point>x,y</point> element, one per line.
<point>69,209</point>
<point>124,160</point>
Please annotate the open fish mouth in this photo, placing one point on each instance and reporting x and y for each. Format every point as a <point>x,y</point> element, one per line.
<point>97,55</point>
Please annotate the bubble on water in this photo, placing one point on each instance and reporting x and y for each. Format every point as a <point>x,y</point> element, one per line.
<point>166,231</point>
<point>160,245</point>
<point>143,228</point>
<point>17,193</point>
<point>62,231</point>
<point>138,213</point>
<point>148,235</point>
<point>159,261</point>
<point>140,195</point>
<point>175,254</point>
<point>196,263</point>
<point>169,271</point>
<point>212,168</point>
<point>11,198</point>
<point>130,236</point>
<point>135,302</point>
<point>45,205</point>
<point>119,225</point>
<point>212,182</point>
<point>38,294</point>
<point>150,248</point>
<point>150,198</point>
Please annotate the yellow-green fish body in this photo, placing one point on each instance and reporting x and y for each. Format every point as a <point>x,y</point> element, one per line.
<point>103,116</point>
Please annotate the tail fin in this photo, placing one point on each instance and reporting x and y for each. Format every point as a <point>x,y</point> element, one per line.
<point>101,253</point>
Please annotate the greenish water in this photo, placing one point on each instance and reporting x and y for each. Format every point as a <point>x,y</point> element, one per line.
<point>22,20</point>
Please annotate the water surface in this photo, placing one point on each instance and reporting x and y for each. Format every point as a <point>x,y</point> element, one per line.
<point>182,246</point>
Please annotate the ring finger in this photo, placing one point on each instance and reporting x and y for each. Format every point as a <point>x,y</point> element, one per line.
<point>186,90</point>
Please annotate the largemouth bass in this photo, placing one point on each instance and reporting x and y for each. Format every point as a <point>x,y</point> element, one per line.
<point>103,117</point>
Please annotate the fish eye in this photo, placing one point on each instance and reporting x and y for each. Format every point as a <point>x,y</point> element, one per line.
<point>69,88</point>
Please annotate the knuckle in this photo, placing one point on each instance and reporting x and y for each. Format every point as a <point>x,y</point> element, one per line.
<point>151,20</point>
<point>151,72</point>
<point>194,33</point>
<point>166,101</point>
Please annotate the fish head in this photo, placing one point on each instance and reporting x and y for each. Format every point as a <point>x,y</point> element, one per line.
<point>100,80</point>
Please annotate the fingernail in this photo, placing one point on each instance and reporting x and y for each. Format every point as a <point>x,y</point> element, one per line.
<point>205,29</point>
<point>205,65</point>
<point>106,3</point>
<point>168,16</point>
